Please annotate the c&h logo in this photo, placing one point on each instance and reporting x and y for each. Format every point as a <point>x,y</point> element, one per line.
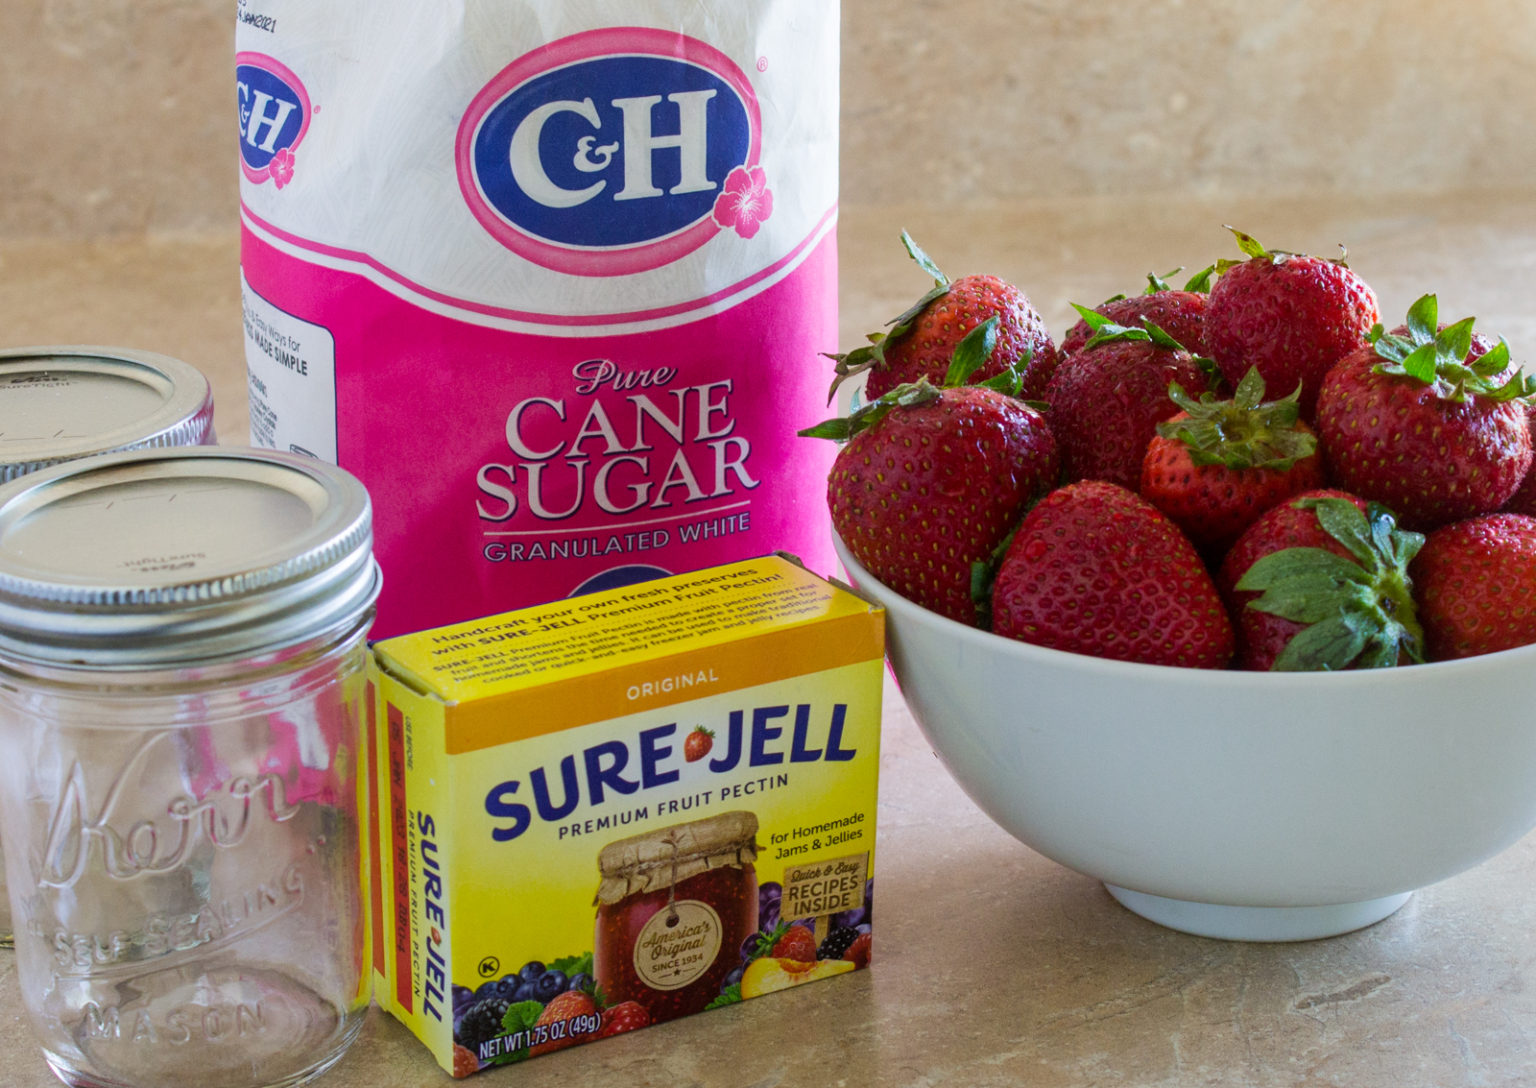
<point>274,111</point>
<point>614,151</point>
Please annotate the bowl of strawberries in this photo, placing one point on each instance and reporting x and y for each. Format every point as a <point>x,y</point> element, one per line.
<point>1258,663</point>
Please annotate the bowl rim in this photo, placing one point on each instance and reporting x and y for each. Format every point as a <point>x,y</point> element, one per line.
<point>1208,680</point>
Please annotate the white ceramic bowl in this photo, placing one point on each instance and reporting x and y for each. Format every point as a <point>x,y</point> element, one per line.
<point>1252,806</point>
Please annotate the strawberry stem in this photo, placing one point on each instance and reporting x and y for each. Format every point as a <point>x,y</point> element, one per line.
<point>1244,432</point>
<point>848,364</point>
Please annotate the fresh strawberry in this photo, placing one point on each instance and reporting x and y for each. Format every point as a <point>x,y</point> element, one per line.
<point>1292,315</point>
<point>1320,582</point>
<point>1096,569</point>
<point>1288,524</point>
<point>931,480</point>
<point>1179,313</point>
<point>797,943</point>
<point>566,1006</point>
<point>860,952</point>
<point>1106,399</point>
<point>921,342</point>
<point>625,1016</point>
<point>1476,584</point>
<point>1218,464</point>
<point>698,743</point>
<point>1523,501</point>
<point>1424,424</point>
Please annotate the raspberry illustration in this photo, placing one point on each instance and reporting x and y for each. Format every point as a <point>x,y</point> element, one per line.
<point>626,1016</point>
<point>464,1062</point>
<point>859,952</point>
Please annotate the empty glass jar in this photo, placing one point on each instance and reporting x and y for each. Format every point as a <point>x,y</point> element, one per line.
<point>181,696</point>
<point>61,403</point>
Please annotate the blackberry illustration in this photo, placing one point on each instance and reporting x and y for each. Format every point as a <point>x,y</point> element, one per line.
<point>481,1022</point>
<point>836,943</point>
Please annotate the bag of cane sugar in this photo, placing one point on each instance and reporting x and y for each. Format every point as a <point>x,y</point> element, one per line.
<point>551,277</point>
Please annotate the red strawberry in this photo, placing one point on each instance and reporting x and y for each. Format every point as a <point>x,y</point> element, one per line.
<point>1291,315</point>
<point>1179,313</point>
<point>860,952</point>
<point>1422,423</point>
<point>1217,465</point>
<point>1476,584</point>
<point>1523,501</point>
<point>625,1016</point>
<point>698,743</point>
<point>566,1006</point>
<point>1106,400</point>
<point>1096,569</point>
<point>922,341</point>
<point>1320,582</point>
<point>932,480</point>
<point>797,943</point>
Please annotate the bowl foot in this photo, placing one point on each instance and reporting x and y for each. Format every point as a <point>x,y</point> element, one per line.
<point>1257,923</point>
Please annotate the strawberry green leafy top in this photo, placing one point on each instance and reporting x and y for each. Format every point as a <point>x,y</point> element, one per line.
<point>1439,358</point>
<point>1241,433</point>
<point>974,349</point>
<point>1358,612</point>
<point>860,359</point>
<point>1199,283</point>
<point>1253,249</point>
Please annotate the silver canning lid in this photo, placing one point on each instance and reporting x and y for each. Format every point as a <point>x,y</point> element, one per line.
<point>60,403</point>
<point>164,557</point>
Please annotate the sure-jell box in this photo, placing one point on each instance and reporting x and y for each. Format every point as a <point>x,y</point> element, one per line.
<point>612,811</point>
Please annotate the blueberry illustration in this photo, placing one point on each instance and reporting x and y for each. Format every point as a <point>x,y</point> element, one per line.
<point>548,986</point>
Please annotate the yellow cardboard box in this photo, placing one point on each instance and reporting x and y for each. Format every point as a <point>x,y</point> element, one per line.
<point>614,810</point>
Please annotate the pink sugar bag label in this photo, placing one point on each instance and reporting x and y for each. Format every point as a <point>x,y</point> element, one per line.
<point>551,278</point>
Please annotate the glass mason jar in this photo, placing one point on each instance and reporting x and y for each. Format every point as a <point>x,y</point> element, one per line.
<point>61,403</point>
<point>182,641</point>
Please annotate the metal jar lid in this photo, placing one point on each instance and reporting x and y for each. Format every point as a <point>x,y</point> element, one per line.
<point>166,557</point>
<point>60,403</point>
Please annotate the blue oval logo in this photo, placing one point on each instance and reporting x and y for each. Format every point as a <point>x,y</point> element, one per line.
<point>273,111</point>
<point>574,152</point>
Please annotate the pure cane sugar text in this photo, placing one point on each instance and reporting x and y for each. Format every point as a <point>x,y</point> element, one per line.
<point>608,812</point>
<point>574,351</point>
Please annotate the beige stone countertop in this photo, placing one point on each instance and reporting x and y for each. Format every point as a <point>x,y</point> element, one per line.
<point>994,965</point>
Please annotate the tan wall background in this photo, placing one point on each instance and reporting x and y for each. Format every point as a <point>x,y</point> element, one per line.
<point>115,115</point>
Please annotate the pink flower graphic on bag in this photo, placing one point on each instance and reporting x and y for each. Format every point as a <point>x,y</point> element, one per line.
<point>282,167</point>
<point>746,201</point>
